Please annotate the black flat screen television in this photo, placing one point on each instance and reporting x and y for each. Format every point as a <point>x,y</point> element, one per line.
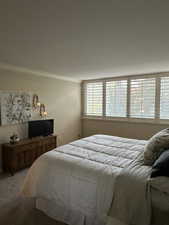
<point>40,128</point>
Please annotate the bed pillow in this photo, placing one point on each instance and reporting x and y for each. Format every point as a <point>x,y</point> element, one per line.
<point>161,165</point>
<point>154,147</point>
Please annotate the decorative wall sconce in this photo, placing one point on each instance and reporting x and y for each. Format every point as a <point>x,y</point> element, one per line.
<point>38,106</point>
<point>43,112</point>
<point>36,103</point>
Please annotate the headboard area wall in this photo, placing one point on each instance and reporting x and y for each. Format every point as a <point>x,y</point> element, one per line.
<point>120,128</point>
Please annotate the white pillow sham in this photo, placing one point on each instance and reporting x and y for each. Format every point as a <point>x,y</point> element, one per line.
<point>155,146</point>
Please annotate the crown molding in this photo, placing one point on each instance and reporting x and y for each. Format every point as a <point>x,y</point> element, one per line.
<point>10,67</point>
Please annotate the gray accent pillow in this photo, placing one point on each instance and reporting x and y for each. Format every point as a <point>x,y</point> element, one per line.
<point>155,146</point>
<point>161,165</point>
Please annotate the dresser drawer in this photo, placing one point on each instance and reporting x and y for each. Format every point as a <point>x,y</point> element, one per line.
<point>49,147</point>
<point>26,147</point>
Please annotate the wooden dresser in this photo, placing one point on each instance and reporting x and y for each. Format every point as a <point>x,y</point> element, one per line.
<point>24,153</point>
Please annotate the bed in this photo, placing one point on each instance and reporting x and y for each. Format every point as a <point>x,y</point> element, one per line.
<point>75,183</point>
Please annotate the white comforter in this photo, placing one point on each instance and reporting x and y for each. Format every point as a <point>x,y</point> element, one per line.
<point>79,177</point>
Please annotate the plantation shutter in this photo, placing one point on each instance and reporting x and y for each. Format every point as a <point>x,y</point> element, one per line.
<point>142,98</point>
<point>164,98</point>
<point>94,99</point>
<point>116,98</point>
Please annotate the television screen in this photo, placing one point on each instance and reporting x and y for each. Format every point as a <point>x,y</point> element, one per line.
<point>40,128</point>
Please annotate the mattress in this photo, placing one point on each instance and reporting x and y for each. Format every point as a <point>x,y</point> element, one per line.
<point>74,183</point>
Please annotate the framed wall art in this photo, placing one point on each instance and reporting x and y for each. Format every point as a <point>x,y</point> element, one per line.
<point>15,107</point>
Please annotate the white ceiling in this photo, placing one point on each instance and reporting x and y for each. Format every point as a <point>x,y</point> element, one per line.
<point>85,39</point>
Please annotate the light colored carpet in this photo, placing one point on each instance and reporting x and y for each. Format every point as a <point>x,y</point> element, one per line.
<point>15,210</point>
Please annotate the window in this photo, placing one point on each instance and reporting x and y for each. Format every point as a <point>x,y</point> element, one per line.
<point>139,97</point>
<point>164,98</point>
<point>116,98</point>
<point>142,103</point>
<point>94,99</point>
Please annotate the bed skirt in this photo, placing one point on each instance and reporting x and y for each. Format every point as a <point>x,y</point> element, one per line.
<point>70,217</point>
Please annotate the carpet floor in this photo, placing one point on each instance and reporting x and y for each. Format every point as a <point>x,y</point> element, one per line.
<point>16,210</point>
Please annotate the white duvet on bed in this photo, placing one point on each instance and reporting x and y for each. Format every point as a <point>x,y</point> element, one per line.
<point>74,182</point>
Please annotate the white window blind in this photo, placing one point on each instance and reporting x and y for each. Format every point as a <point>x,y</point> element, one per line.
<point>142,98</point>
<point>164,98</point>
<point>94,99</point>
<point>128,97</point>
<point>116,98</point>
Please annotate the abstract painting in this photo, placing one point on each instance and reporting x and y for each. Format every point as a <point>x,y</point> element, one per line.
<point>15,107</point>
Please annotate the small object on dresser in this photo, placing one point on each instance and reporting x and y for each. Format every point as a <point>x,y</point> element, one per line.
<point>14,139</point>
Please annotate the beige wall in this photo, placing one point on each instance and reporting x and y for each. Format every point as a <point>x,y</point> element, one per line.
<point>62,100</point>
<point>122,129</point>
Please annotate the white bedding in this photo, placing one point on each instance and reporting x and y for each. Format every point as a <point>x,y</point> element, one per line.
<point>78,178</point>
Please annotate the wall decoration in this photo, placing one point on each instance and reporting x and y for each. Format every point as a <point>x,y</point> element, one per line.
<point>37,106</point>
<point>35,102</point>
<point>15,107</point>
<point>43,112</point>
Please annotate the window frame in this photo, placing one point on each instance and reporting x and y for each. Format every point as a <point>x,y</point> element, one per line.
<point>128,118</point>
